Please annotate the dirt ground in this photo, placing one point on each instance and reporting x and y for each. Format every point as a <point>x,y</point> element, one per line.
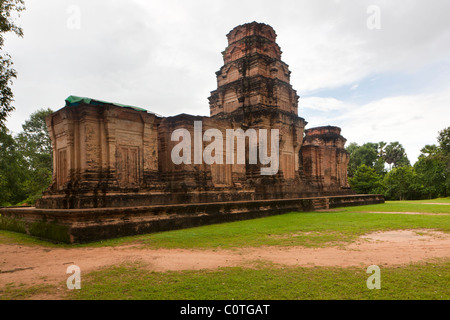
<point>33,265</point>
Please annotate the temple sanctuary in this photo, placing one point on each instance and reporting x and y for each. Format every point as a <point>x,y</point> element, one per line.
<point>122,170</point>
<point>109,155</point>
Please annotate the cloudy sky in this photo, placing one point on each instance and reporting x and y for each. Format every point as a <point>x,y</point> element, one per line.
<point>378,69</point>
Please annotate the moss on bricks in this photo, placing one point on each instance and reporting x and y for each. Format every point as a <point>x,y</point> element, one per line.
<point>10,224</point>
<point>50,230</point>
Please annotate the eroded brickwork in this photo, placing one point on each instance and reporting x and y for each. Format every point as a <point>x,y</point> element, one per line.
<point>253,73</point>
<point>107,155</point>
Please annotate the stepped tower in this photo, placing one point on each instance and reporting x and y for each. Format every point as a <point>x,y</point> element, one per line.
<point>254,91</point>
<point>253,74</point>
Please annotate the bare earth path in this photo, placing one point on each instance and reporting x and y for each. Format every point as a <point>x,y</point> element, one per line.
<point>32,265</point>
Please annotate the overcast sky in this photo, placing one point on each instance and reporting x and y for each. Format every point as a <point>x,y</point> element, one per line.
<point>378,69</point>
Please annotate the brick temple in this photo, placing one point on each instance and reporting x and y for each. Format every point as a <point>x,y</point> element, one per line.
<point>115,162</point>
<point>107,155</point>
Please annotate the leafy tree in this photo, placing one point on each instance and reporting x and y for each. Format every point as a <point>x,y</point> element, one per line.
<point>352,163</point>
<point>431,177</point>
<point>34,138</point>
<point>428,178</point>
<point>433,167</point>
<point>399,183</point>
<point>444,146</point>
<point>366,180</point>
<point>381,149</point>
<point>25,161</point>
<point>444,141</point>
<point>352,147</point>
<point>429,150</point>
<point>366,154</point>
<point>11,173</point>
<point>7,73</point>
<point>396,155</point>
<point>36,151</point>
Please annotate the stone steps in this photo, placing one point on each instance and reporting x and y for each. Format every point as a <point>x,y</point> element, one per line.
<point>321,204</point>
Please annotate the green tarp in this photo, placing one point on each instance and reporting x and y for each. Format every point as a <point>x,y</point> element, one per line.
<point>73,101</point>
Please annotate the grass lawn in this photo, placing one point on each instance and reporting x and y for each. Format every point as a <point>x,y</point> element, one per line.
<point>428,280</point>
<point>266,282</point>
<point>310,229</point>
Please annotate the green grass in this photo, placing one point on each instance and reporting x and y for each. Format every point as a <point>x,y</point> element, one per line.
<point>21,292</point>
<point>267,282</point>
<point>430,280</point>
<point>426,206</point>
<point>307,229</point>
<point>10,237</point>
<point>310,229</point>
<point>439,200</point>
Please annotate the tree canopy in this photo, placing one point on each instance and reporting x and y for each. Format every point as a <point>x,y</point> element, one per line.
<point>396,155</point>
<point>366,181</point>
<point>369,154</point>
<point>428,178</point>
<point>11,173</point>
<point>25,161</point>
<point>8,9</point>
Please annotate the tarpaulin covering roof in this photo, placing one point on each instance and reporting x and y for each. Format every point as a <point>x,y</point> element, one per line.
<point>73,101</point>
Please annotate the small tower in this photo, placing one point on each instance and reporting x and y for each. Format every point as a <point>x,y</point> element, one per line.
<point>253,74</point>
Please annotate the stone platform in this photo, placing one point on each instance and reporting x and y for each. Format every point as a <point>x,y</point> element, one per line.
<point>88,225</point>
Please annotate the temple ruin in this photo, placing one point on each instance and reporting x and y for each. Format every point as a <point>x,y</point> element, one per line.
<point>116,162</point>
<point>107,155</point>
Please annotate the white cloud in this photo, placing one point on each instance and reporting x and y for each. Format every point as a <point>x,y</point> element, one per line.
<point>162,55</point>
<point>413,120</point>
<point>330,45</point>
<point>323,104</point>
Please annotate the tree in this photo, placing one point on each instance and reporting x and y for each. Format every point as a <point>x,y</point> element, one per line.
<point>35,147</point>
<point>11,173</point>
<point>7,73</point>
<point>399,183</point>
<point>430,177</point>
<point>34,138</point>
<point>433,168</point>
<point>25,161</point>
<point>444,141</point>
<point>444,147</point>
<point>353,162</point>
<point>366,181</point>
<point>381,149</point>
<point>429,150</point>
<point>366,154</point>
<point>396,155</point>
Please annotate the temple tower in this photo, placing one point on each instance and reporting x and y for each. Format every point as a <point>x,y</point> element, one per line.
<point>325,159</point>
<point>253,74</point>
<point>254,91</point>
